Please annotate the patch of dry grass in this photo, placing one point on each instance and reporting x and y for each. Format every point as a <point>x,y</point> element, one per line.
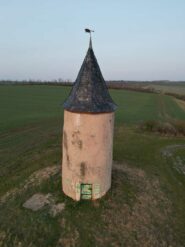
<point>139,224</point>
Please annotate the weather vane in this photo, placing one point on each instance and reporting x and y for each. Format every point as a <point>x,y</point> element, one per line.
<point>87,30</point>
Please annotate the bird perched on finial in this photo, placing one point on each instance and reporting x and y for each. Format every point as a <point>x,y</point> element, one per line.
<point>88,30</point>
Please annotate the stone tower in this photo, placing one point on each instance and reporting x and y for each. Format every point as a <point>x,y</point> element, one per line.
<point>88,134</point>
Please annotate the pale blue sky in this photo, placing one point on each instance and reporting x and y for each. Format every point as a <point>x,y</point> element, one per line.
<point>133,39</point>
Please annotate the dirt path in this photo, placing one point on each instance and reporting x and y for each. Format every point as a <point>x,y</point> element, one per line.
<point>180,103</point>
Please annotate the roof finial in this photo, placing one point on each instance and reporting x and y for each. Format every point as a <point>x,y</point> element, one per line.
<point>90,41</point>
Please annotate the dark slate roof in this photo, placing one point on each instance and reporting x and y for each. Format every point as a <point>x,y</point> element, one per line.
<point>89,92</point>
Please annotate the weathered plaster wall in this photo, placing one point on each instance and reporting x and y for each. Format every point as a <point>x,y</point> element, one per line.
<point>87,153</point>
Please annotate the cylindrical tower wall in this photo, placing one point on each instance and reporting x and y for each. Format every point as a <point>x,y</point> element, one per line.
<point>87,154</point>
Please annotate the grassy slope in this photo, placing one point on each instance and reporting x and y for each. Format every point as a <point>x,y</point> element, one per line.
<point>30,139</point>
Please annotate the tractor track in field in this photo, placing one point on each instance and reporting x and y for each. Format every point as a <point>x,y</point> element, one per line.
<point>162,107</point>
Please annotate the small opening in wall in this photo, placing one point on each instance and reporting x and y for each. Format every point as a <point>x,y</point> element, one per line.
<point>86,191</point>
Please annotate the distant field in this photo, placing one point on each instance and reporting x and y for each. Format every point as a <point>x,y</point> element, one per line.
<point>146,204</point>
<point>21,105</point>
<point>179,89</point>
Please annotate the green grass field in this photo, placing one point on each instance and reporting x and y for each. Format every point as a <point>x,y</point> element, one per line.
<point>146,204</point>
<point>22,105</point>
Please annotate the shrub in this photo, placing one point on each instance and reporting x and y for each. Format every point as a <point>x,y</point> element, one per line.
<point>179,126</point>
<point>176,127</point>
<point>149,125</point>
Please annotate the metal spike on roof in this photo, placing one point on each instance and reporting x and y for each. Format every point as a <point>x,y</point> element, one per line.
<point>90,43</point>
<point>89,92</point>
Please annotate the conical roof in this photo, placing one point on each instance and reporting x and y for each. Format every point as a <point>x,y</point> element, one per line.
<point>89,92</point>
